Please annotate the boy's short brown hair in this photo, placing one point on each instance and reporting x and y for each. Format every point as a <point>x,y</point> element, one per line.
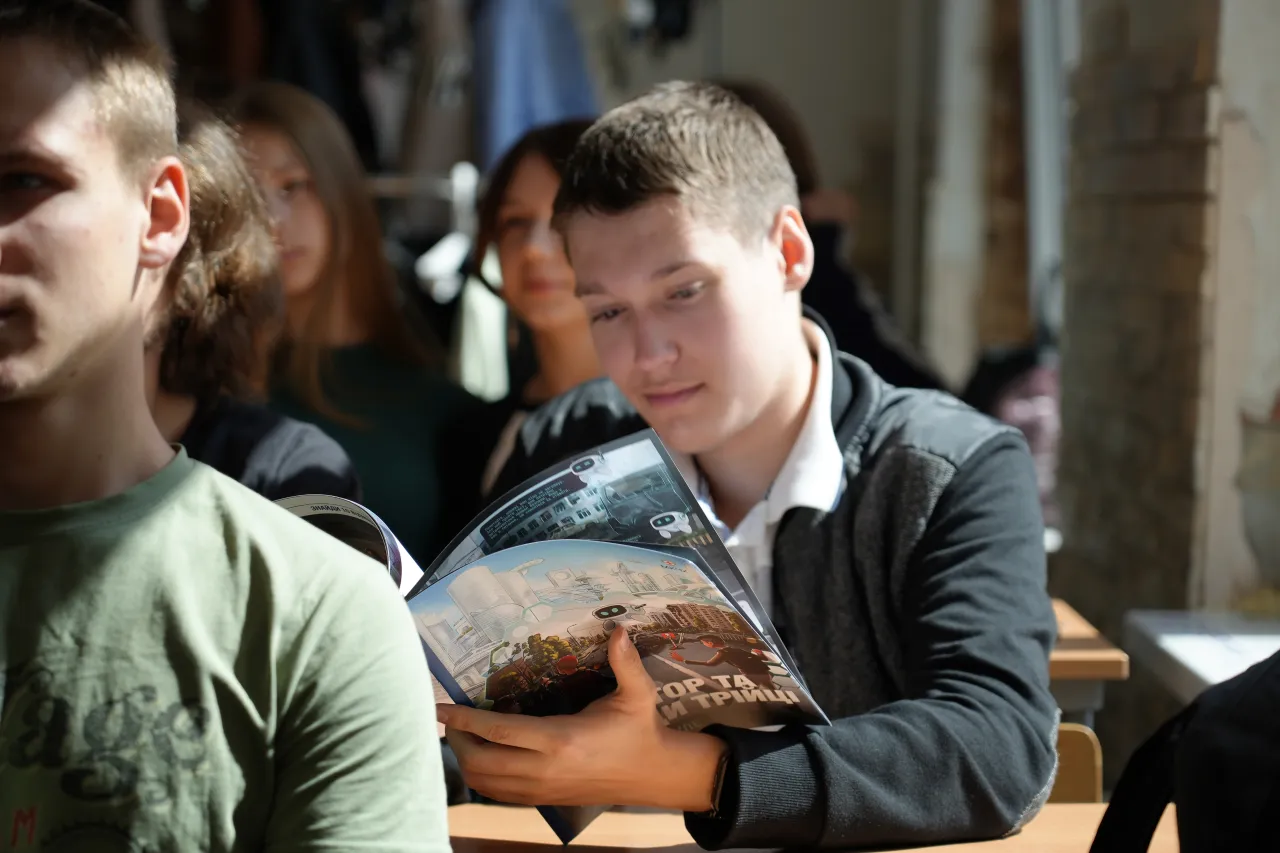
<point>135,97</point>
<point>695,142</point>
<point>225,294</point>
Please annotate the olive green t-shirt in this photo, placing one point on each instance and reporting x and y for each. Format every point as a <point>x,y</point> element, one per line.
<point>189,667</point>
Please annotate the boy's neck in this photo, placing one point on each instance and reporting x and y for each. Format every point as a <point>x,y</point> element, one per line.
<point>172,412</point>
<point>566,359</point>
<point>91,441</point>
<point>740,471</point>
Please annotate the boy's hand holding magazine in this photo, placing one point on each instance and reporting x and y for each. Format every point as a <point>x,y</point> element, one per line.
<point>617,749</point>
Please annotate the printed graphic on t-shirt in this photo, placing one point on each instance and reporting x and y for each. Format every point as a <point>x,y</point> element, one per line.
<point>80,764</point>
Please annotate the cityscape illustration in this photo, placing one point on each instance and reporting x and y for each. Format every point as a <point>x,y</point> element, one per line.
<point>534,606</point>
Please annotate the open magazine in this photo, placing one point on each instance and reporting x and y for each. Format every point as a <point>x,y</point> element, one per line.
<point>515,614</point>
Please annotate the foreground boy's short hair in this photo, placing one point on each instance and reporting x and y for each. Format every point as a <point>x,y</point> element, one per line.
<point>134,92</point>
<point>693,142</point>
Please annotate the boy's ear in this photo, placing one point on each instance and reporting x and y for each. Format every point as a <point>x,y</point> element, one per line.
<point>168,203</point>
<point>790,241</point>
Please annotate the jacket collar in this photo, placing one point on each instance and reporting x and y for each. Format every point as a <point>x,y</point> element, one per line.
<point>856,393</point>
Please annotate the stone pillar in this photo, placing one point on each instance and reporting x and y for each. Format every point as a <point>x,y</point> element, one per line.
<point>1137,352</point>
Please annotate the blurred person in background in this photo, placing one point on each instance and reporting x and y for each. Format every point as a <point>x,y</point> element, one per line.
<point>537,281</point>
<point>206,357</point>
<point>349,360</point>
<point>841,296</point>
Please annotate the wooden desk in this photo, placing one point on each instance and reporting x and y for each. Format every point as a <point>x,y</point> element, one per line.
<point>1060,828</point>
<point>1080,664</point>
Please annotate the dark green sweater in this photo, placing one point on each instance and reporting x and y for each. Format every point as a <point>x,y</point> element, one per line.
<point>419,466</point>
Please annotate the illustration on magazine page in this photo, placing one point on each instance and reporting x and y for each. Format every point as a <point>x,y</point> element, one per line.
<point>525,631</point>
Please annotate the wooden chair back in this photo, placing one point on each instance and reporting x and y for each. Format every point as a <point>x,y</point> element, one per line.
<point>1079,766</point>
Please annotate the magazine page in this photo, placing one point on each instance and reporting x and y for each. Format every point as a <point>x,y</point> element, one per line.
<point>627,491</point>
<point>360,528</point>
<point>525,631</point>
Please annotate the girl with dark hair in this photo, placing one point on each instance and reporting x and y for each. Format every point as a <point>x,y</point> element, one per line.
<point>537,282</point>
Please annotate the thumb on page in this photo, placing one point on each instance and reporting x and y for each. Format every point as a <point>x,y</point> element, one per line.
<point>624,659</point>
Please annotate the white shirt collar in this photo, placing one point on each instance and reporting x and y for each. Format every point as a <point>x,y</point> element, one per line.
<point>813,474</point>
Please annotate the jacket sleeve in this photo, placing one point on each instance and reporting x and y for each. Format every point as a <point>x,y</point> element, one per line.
<point>970,751</point>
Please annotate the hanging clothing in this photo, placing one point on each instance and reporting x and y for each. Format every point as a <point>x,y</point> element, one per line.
<point>309,44</point>
<point>437,129</point>
<point>529,69</point>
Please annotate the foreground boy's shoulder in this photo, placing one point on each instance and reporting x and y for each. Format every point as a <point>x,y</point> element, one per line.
<point>288,544</point>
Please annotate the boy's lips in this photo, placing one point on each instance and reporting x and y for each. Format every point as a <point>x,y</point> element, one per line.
<point>666,397</point>
<point>10,307</point>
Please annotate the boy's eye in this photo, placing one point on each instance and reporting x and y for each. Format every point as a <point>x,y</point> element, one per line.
<point>24,182</point>
<point>688,291</point>
<point>606,315</point>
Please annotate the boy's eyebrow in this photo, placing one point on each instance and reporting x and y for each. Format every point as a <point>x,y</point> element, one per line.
<point>28,151</point>
<point>40,157</point>
<point>591,288</point>
<point>671,269</point>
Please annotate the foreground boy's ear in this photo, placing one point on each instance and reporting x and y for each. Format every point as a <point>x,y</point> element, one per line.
<point>794,248</point>
<point>170,215</point>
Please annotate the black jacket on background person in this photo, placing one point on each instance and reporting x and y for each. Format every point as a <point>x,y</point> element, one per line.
<point>273,455</point>
<point>916,611</point>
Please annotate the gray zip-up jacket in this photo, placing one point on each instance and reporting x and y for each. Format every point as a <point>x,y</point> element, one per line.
<point>916,611</point>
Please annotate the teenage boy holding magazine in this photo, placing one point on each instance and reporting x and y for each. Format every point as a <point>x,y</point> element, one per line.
<point>893,535</point>
<point>186,665</point>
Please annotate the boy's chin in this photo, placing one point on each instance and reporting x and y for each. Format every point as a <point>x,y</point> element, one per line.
<point>18,380</point>
<point>690,436</point>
